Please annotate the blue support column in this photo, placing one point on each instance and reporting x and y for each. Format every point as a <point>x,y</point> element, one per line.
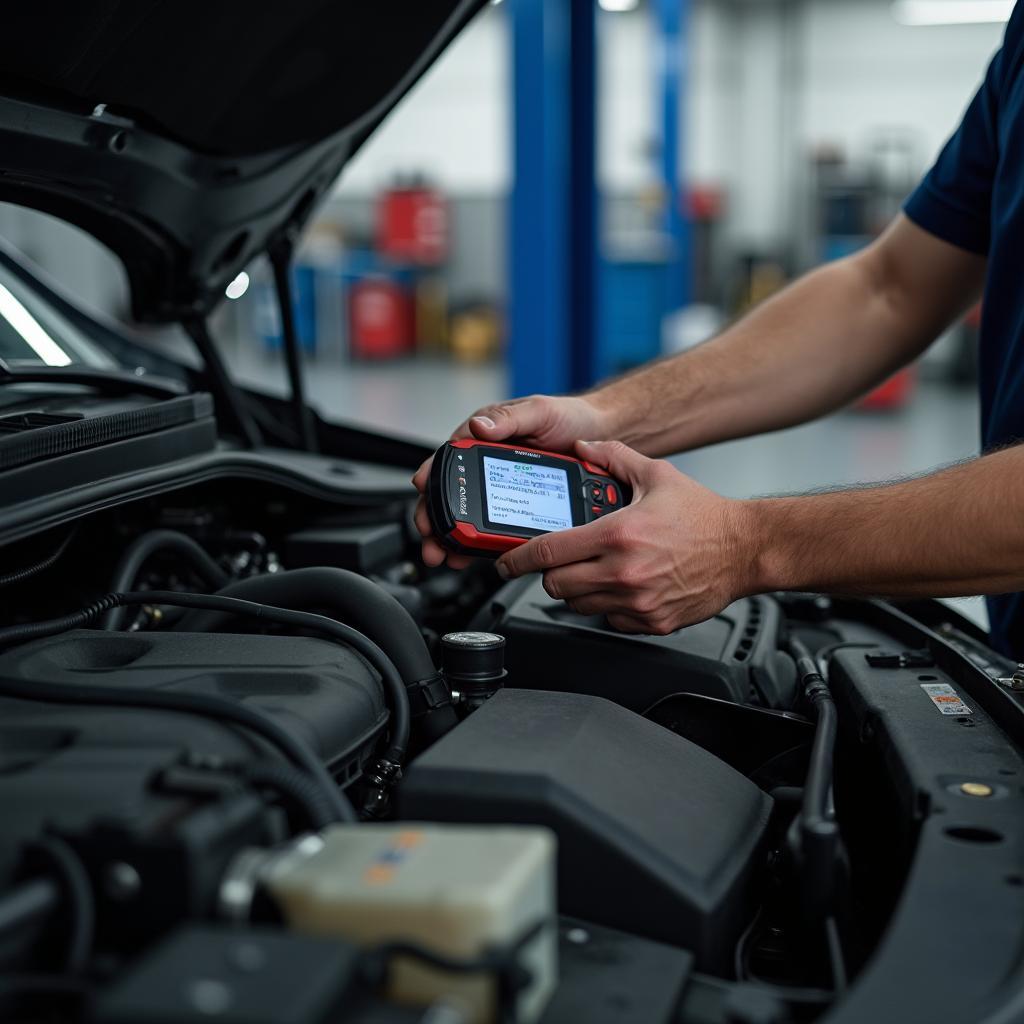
<point>671,27</point>
<point>552,210</point>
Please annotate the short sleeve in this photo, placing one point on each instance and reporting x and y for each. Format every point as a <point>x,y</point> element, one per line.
<point>954,200</point>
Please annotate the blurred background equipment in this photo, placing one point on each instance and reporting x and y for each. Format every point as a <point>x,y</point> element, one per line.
<point>412,224</point>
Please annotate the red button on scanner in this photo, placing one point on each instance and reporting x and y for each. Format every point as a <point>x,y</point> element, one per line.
<point>596,510</point>
<point>611,494</point>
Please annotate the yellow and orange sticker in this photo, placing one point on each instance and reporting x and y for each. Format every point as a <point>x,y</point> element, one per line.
<point>946,699</point>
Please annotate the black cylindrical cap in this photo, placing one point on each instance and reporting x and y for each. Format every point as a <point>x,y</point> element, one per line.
<point>473,656</point>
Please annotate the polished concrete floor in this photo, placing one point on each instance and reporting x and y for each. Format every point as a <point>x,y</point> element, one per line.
<point>939,426</point>
<point>425,399</point>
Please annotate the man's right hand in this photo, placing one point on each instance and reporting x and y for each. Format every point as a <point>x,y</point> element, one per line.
<point>541,421</point>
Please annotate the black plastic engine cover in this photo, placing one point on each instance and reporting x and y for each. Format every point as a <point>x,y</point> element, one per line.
<point>655,835</point>
<point>323,693</point>
<point>97,775</point>
<point>733,656</point>
<point>257,975</point>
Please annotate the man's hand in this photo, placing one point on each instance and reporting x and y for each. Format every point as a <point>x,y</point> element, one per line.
<point>541,421</point>
<point>676,555</point>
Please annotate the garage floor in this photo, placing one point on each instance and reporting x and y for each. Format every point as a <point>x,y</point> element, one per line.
<point>425,400</point>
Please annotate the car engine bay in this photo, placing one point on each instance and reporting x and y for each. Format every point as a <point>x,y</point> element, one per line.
<point>260,765</point>
<point>213,698</point>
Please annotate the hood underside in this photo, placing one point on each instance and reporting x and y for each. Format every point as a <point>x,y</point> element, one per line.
<point>189,137</point>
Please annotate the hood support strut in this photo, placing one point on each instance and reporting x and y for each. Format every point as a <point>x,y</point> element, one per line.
<point>228,399</point>
<point>281,262</point>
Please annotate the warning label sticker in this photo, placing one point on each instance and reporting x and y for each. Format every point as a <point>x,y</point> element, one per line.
<point>946,699</point>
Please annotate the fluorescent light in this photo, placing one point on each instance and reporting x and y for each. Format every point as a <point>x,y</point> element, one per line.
<point>951,12</point>
<point>238,287</point>
<point>28,327</point>
<point>618,5</point>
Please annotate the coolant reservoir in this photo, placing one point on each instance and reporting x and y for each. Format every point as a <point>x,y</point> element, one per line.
<point>457,891</point>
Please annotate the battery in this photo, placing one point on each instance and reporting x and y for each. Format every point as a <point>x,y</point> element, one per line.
<point>459,892</point>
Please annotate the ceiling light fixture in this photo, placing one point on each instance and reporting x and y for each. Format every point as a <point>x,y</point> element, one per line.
<point>28,327</point>
<point>618,6</point>
<point>951,12</point>
<point>238,287</point>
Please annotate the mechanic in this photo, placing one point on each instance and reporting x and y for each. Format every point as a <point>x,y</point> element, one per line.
<point>680,553</point>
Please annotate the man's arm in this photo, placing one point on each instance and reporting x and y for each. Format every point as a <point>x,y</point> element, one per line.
<point>819,344</point>
<point>680,553</point>
<point>954,532</point>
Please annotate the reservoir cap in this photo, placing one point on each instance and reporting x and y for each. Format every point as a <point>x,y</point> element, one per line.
<point>473,663</point>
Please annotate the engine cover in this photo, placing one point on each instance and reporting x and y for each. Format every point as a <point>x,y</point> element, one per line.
<point>733,656</point>
<point>322,692</point>
<point>655,835</point>
<point>70,765</point>
<point>101,777</point>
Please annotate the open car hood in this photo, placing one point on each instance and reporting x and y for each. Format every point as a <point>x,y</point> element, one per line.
<point>190,137</point>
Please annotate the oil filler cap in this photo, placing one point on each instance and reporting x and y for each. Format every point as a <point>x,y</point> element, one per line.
<point>474,664</point>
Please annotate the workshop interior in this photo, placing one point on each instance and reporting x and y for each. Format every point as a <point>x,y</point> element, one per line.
<point>259,764</point>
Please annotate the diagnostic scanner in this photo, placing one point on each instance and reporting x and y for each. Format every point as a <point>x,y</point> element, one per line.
<point>484,498</point>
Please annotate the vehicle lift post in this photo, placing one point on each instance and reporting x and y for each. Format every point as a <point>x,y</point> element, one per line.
<point>552,211</point>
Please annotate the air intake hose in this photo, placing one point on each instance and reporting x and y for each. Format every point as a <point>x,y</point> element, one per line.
<point>370,609</point>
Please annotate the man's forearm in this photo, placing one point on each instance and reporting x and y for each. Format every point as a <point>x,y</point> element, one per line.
<point>817,345</point>
<point>799,355</point>
<point>958,531</point>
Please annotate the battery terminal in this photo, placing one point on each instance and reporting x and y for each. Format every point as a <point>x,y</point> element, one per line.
<point>1016,681</point>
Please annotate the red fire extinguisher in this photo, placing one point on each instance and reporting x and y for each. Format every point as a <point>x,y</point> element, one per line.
<point>381,319</point>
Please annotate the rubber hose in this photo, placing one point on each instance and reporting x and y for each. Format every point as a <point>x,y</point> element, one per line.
<point>370,609</point>
<point>361,602</point>
<point>143,548</point>
<point>819,832</point>
<point>78,895</point>
<point>295,786</point>
<point>818,785</point>
<point>21,907</point>
<point>26,573</point>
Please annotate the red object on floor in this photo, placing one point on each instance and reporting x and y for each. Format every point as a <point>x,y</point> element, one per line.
<point>705,203</point>
<point>893,394</point>
<point>412,226</point>
<point>381,319</point>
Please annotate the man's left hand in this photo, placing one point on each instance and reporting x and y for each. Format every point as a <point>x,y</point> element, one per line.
<point>678,554</point>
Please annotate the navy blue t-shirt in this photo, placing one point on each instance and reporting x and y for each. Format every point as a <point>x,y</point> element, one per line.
<point>973,197</point>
